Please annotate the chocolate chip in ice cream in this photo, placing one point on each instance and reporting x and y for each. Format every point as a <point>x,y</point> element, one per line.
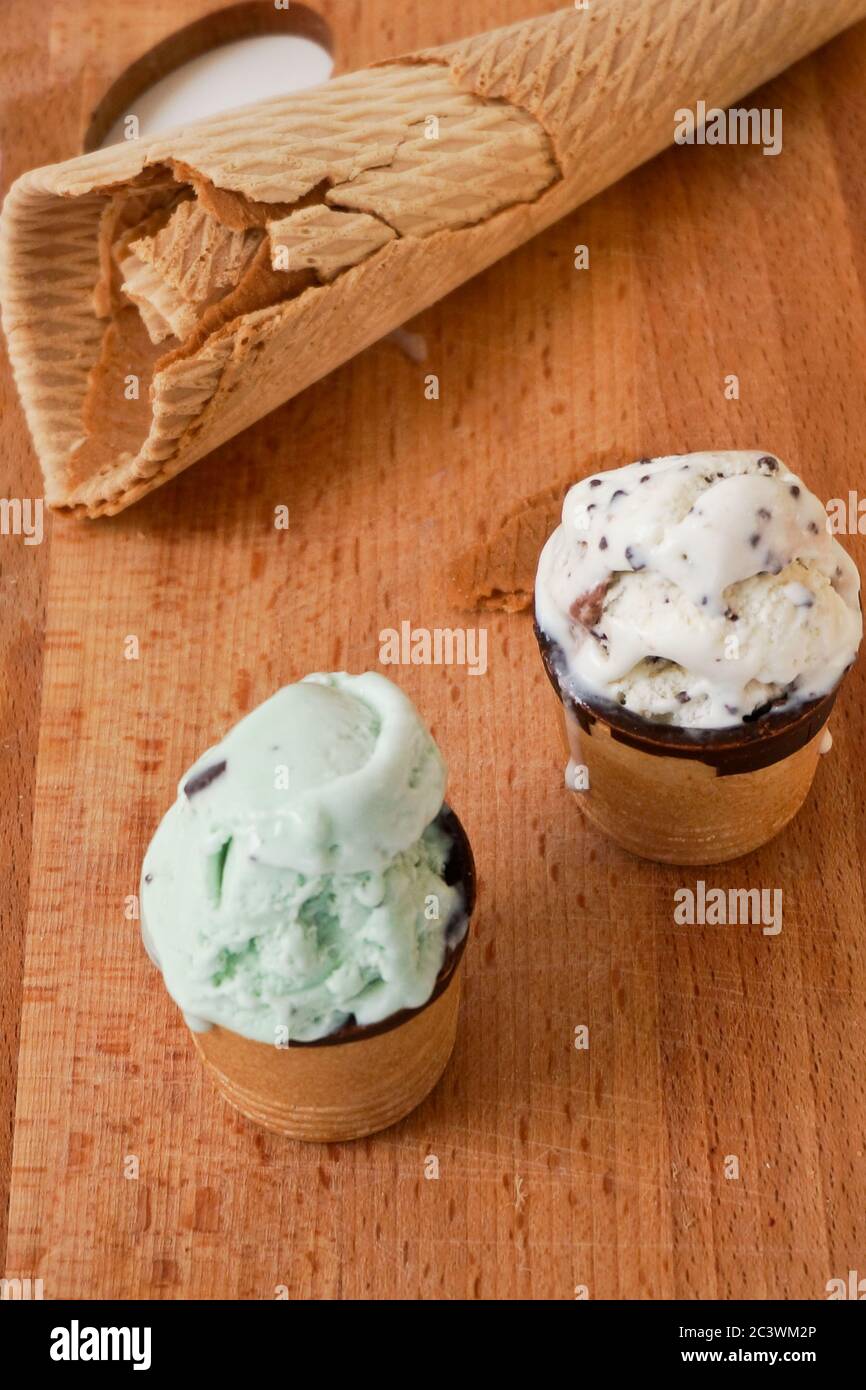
<point>602,545</point>
<point>761,710</point>
<point>768,463</point>
<point>634,559</point>
<point>586,609</point>
<point>204,778</point>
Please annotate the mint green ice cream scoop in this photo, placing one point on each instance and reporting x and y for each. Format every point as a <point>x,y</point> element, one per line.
<point>300,881</point>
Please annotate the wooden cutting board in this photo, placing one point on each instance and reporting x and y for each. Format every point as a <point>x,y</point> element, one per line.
<point>559,1169</point>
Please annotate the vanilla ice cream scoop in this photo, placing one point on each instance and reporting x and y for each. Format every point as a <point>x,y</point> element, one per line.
<point>699,590</point>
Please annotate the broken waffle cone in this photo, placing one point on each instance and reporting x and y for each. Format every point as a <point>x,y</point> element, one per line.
<point>335,1090</point>
<point>374,195</point>
<point>684,796</point>
<point>176,271</point>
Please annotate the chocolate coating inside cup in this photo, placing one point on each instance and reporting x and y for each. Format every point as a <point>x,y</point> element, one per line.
<point>757,742</point>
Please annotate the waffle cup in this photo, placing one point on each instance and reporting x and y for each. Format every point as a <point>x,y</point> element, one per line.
<point>376,213</point>
<point>360,1079</point>
<point>682,796</point>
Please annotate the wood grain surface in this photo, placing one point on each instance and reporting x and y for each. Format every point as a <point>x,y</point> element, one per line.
<point>559,1168</point>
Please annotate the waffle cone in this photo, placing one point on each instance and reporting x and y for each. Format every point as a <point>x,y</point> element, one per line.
<point>334,1091</point>
<point>527,122</point>
<point>683,809</point>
